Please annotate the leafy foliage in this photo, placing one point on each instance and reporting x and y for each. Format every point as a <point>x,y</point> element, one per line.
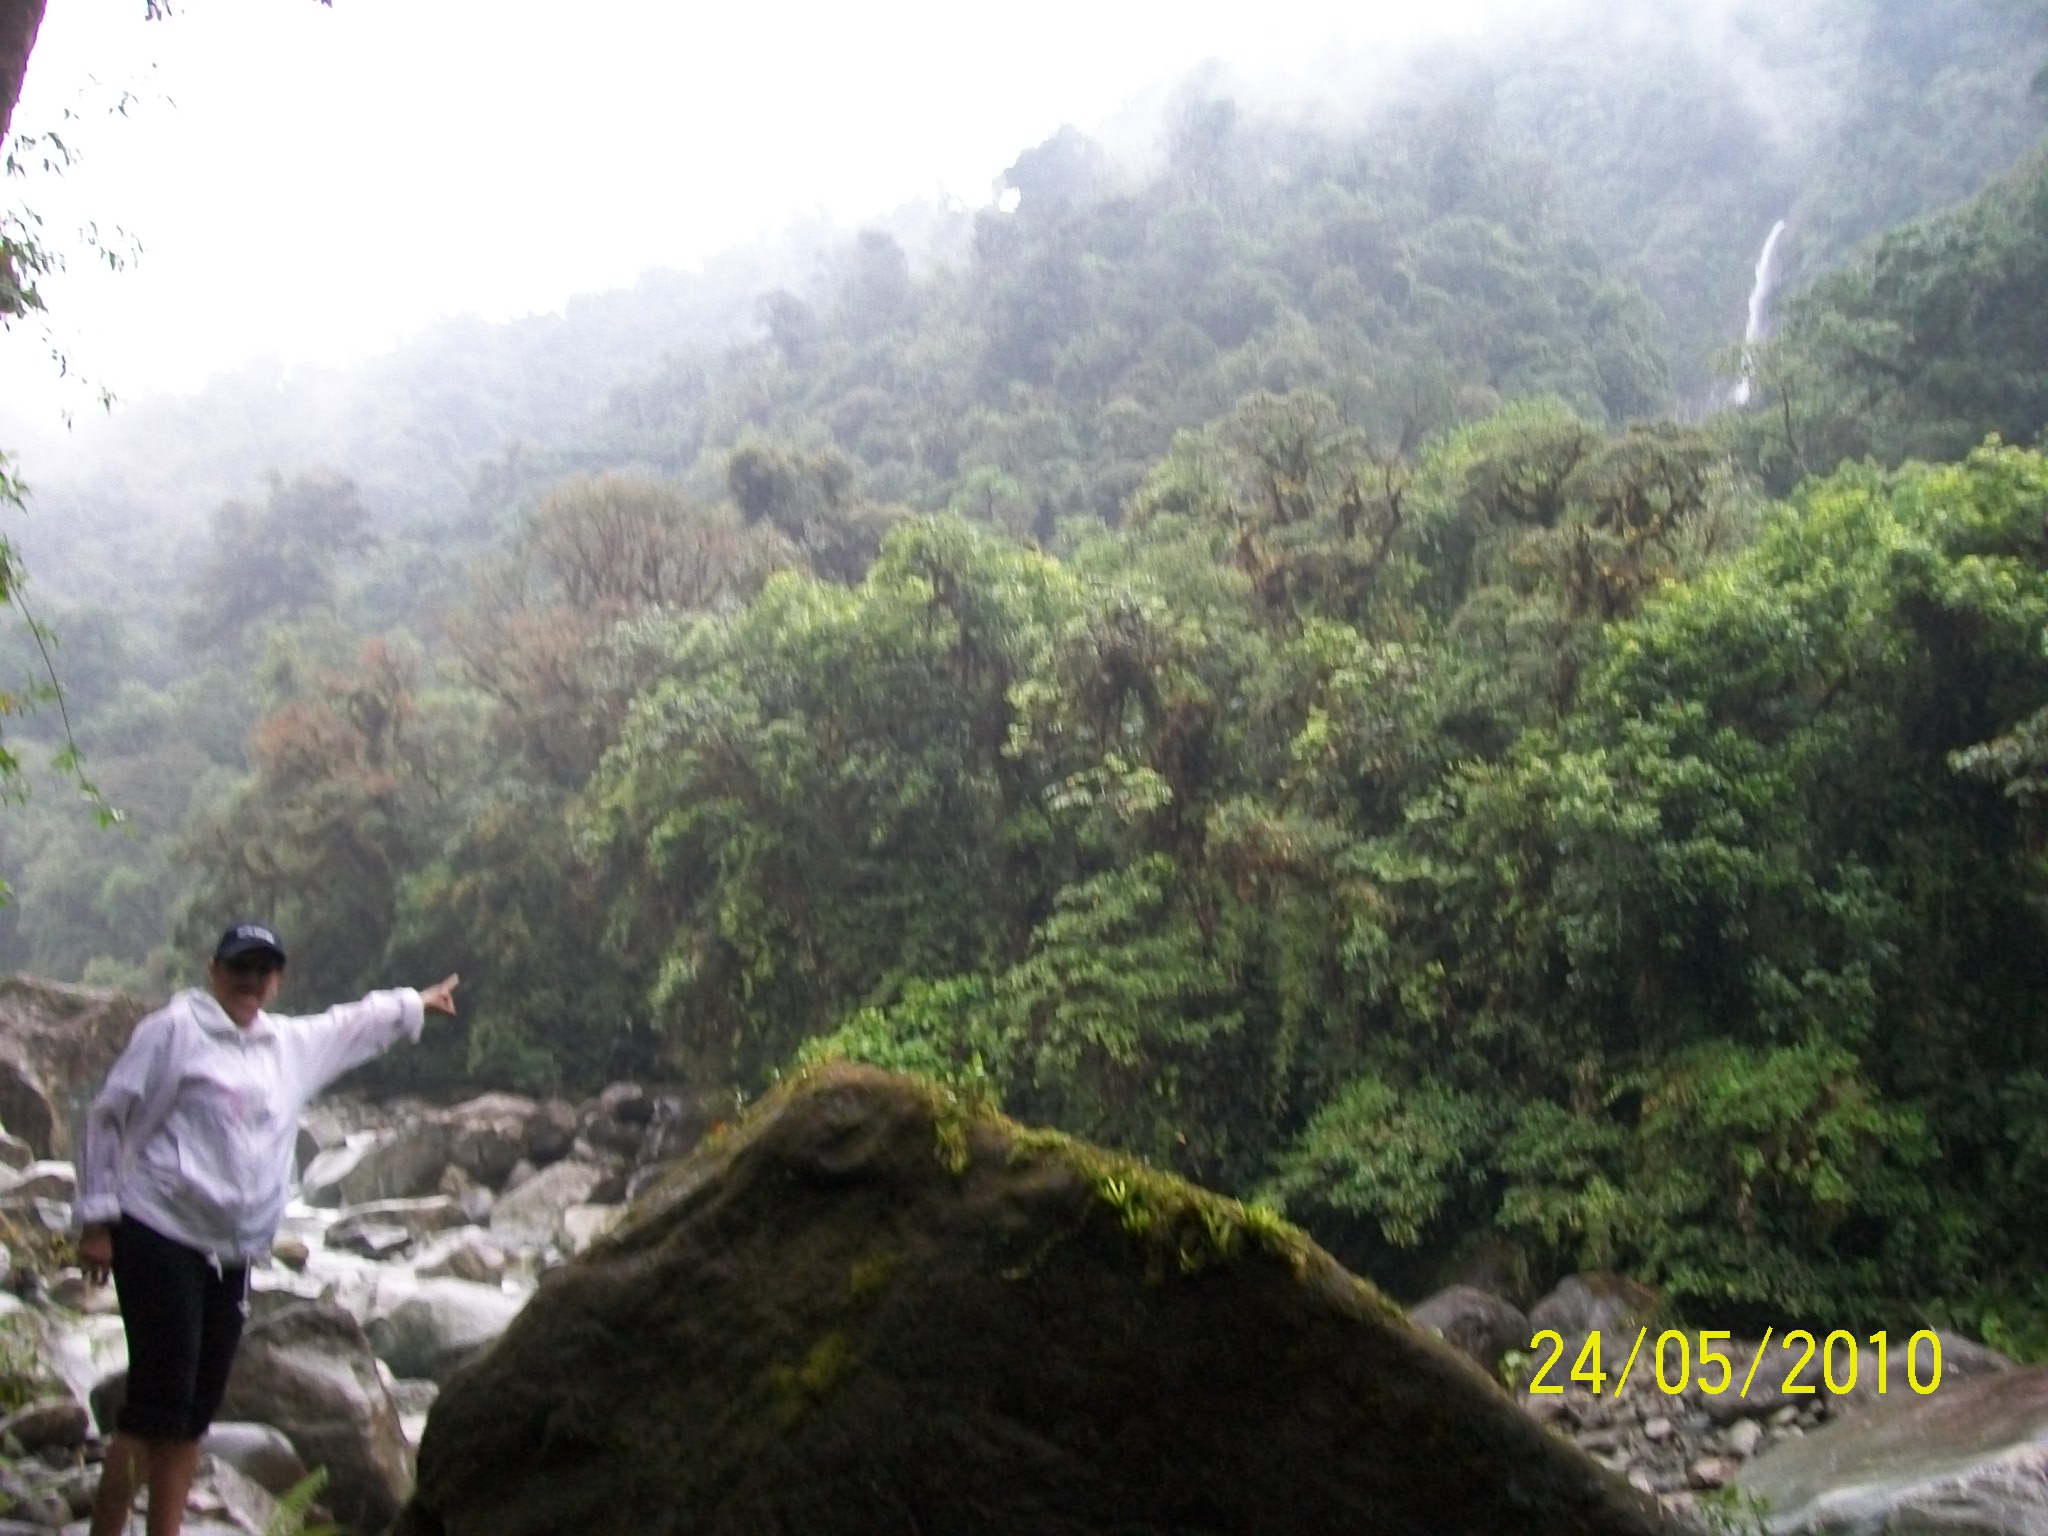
<point>1231,660</point>
<point>1919,350</point>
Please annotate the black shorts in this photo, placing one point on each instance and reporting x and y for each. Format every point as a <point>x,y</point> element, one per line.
<point>183,1315</point>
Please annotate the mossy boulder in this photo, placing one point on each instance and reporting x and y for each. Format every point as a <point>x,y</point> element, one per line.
<point>868,1308</point>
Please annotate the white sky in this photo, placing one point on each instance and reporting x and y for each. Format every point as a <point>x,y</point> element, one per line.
<point>317,184</point>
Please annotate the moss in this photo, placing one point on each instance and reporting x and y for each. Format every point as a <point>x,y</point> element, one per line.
<point>955,1113</point>
<point>954,1152</point>
<point>1177,1227</point>
<point>870,1276</point>
<point>800,1388</point>
<point>23,1376</point>
<point>1175,1222</point>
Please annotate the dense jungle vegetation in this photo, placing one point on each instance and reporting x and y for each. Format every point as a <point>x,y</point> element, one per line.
<point>1278,659</point>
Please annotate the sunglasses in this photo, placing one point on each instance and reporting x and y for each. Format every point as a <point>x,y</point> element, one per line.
<point>254,965</point>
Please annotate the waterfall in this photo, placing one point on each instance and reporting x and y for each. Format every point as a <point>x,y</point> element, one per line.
<point>1759,295</point>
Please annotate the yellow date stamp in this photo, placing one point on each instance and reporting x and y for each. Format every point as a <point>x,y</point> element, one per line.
<point>1709,1359</point>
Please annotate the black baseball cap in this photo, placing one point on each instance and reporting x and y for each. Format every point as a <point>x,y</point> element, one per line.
<point>247,940</point>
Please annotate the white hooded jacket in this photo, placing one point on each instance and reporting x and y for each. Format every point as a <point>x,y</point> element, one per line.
<point>194,1132</point>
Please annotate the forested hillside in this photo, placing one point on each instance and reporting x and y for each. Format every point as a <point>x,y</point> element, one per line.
<point>1263,657</point>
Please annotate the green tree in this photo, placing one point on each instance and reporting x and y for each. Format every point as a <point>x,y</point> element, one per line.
<point>815,801</point>
<point>274,561</point>
<point>348,781</point>
<point>1919,350</point>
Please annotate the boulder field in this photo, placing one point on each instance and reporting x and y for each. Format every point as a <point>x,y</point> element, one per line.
<point>869,1307</point>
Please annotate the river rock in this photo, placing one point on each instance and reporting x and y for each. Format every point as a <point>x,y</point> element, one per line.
<point>464,1254</point>
<point>680,1121</point>
<point>415,1218</point>
<point>260,1452</point>
<point>72,1290</point>
<point>35,1504</point>
<point>292,1251</point>
<point>53,1216</point>
<point>552,1132</point>
<point>627,1103</point>
<point>870,1309</point>
<point>59,1422</point>
<point>321,1124</point>
<point>1743,1437</point>
<point>1962,1359</point>
<point>474,1199</point>
<point>56,1044</point>
<point>1477,1325</point>
<point>394,1164</point>
<point>378,1240</point>
<point>46,1178</point>
<point>434,1327</point>
<point>276,1289</point>
<point>239,1502</point>
<point>490,1134</point>
<point>532,1213</point>
<point>1612,1305</point>
<point>1970,1459</point>
<point>583,1225</point>
<point>310,1371</point>
<point>607,1133</point>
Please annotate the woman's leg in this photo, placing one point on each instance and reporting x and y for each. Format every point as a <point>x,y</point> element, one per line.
<point>169,1294</point>
<point>127,1464</point>
<point>172,1464</point>
<point>165,1467</point>
<point>224,1307</point>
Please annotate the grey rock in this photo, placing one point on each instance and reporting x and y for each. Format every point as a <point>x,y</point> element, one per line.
<point>627,1103</point>
<point>1881,1379</point>
<point>260,1452</point>
<point>465,1254</point>
<point>71,1290</point>
<point>272,1291</point>
<point>657,1356</point>
<point>532,1213</point>
<point>34,1506</point>
<point>438,1326</point>
<point>388,1165</point>
<point>59,1422</point>
<point>1970,1458</point>
<point>488,1136</point>
<point>583,1225</point>
<point>310,1371</point>
<point>47,1177</point>
<point>52,1216</point>
<point>76,1485</point>
<point>607,1133</point>
<point>292,1252</point>
<point>551,1133</point>
<point>1581,1304</point>
<point>415,1398</point>
<point>55,1039</point>
<point>416,1218</point>
<point>1477,1325</point>
<point>1713,1471</point>
<point>371,1240</point>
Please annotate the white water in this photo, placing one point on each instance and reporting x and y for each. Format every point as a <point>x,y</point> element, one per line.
<point>1759,296</point>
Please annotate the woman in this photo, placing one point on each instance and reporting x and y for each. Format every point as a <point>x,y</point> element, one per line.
<point>188,1164</point>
